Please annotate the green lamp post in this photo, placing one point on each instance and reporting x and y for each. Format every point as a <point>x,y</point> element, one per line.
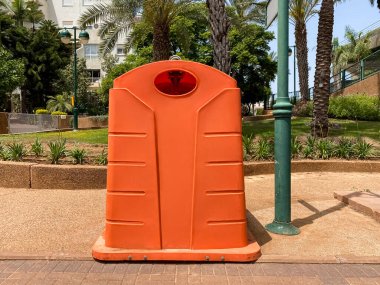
<point>66,39</point>
<point>282,114</point>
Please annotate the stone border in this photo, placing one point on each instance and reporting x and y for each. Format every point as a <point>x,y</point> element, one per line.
<point>256,168</point>
<point>43,176</point>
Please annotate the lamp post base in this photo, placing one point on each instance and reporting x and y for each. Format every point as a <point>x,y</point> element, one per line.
<point>282,228</point>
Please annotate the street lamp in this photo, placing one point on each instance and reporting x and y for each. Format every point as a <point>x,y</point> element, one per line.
<point>282,131</point>
<point>290,52</point>
<point>66,39</point>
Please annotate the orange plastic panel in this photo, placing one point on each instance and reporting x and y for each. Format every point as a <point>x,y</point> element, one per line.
<point>175,187</point>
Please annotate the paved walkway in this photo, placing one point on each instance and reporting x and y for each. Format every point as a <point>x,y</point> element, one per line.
<point>90,272</point>
<point>63,223</point>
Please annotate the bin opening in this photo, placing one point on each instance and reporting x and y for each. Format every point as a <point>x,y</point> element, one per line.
<point>175,82</point>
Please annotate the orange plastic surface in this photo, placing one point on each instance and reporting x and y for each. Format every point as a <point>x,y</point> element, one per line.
<point>175,173</point>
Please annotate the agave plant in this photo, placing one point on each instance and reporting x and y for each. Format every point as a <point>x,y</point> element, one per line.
<point>57,150</point>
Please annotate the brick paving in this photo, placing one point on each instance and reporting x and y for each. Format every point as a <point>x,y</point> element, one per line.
<point>91,272</point>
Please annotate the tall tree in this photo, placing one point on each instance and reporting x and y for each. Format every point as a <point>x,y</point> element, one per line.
<point>252,66</point>
<point>300,11</point>
<point>23,11</point>
<point>119,17</point>
<point>45,56</point>
<point>34,15</point>
<point>247,11</point>
<point>220,25</point>
<point>356,48</point>
<point>11,75</point>
<point>320,123</point>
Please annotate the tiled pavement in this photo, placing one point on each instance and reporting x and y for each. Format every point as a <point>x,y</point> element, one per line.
<point>90,272</point>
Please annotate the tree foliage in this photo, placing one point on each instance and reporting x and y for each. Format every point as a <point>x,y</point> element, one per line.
<point>11,72</point>
<point>59,103</point>
<point>252,65</point>
<point>357,47</point>
<point>42,54</point>
<point>45,56</point>
<point>119,18</point>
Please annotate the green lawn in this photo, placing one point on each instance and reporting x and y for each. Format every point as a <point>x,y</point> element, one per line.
<point>300,127</point>
<point>98,136</point>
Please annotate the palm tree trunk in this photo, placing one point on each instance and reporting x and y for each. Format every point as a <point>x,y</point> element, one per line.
<point>320,123</point>
<point>161,42</point>
<point>303,65</point>
<point>219,34</point>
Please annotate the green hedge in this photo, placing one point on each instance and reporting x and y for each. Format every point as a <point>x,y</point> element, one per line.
<point>42,112</point>
<point>58,113</point>
<point>355,107</point>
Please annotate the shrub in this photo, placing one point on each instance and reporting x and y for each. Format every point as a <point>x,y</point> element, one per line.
<point>16,151</point>
<point>355,107</point>
<point>4,153</point>
<point>57,150</point>
<point>303,109</point>
<point>78,154</point>
<point>264,149</point>
<point>37,148</point>
<point>259,111</point>
<point>363,149</point>
<point>325,148</point>
<point>345,148</point>
<point>308,150</point>
<point>296,147</point>
<point>42,112</point>
<point>101,159</point>
<point>58,113</point>
<point>248,144</point>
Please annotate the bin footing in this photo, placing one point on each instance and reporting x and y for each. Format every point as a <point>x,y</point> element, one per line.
<point>249,253</point>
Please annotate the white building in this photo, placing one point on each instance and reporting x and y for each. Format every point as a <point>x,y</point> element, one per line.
<point>66,13</point>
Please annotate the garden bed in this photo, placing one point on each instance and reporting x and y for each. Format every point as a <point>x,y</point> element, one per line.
<point>38,176</point>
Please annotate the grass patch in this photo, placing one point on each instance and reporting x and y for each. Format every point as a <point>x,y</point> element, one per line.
<point>98,136</point>
<point>300,127</point>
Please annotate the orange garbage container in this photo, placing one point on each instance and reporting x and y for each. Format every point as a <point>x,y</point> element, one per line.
<point>175,182</point>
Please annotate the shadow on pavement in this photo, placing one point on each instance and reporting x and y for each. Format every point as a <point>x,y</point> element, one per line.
<point>317,214</point>
<point>261,235</point>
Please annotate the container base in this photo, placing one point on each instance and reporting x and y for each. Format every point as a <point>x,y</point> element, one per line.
<point>249,253</point>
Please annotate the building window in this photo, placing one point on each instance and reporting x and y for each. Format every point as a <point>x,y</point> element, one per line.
<point>67,24</point>
<point>94,75</point>
<point>88,2</point>
<point>91,51</point>
<point>120,50</point>
<point>67,2</point>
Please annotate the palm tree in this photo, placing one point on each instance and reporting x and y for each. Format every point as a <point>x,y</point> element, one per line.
<point>34,15</point>
<point>358,47</point>
<point>220,24</point>
<point>23,10</point>
<point>119,16</point>
<point>320,123</point>
<point>247,11</point>
<point>300,11</point>
<point>59,103</point>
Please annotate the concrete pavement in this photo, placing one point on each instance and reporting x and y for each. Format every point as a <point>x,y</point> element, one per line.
<point>334,242</point>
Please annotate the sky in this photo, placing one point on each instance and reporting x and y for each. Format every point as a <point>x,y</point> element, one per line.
<point>358,14</point>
